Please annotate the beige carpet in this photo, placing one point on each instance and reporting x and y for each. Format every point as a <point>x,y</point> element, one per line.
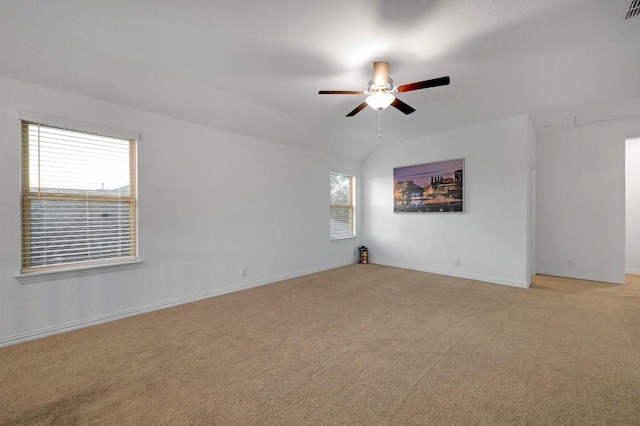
<point>363,344</point>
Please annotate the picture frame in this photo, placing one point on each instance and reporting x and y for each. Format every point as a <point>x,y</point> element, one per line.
<point>436,187</point>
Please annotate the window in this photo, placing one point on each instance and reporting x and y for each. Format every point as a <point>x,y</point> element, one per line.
<point>78,198</point>
<point>342,206</point>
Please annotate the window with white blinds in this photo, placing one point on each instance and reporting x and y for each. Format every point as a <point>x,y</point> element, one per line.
<point>342,206</point>
<point>78,198</point>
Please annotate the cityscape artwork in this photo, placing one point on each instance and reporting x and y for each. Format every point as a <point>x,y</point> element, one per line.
<point>426,188</point>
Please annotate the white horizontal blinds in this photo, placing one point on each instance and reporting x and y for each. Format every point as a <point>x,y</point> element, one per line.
<point>341,206</point>
<point>78,197</point>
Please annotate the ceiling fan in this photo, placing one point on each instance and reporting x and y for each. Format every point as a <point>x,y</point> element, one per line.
<point>381,91</point>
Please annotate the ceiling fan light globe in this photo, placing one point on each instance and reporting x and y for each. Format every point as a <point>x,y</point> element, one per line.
<point>380,100</point>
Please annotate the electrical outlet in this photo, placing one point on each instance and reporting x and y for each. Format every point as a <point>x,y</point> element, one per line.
<point>244,272</point>
<point>458,262</point>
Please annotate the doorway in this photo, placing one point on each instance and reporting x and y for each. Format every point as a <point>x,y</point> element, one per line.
<point>632,206</point>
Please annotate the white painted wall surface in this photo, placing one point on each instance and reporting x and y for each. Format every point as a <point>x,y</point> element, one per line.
<point>580,211</point>
<point>632,188</point>
<point>490,238</point>
<point>210,203</point>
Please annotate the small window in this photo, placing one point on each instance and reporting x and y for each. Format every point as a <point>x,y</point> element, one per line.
<point>342,206</point>
<point>78,198</point>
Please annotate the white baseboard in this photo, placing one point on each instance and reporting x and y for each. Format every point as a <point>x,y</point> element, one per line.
<point>632,272</point>
<point>451,273</point>
<point>75,325</point>
<point>586,277</point>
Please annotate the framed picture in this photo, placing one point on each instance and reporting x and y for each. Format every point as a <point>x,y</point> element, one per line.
<point>427,188</point>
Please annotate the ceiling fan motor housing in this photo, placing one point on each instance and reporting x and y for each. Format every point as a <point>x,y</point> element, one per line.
<point>373,87</point>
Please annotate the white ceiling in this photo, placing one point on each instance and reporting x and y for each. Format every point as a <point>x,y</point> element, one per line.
<point>255,67</point>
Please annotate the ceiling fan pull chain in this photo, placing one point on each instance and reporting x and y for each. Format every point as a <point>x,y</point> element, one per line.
<point>380,123</point>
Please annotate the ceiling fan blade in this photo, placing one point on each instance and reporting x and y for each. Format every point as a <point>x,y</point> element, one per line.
<point>402,106</point>
<point>357,109</point>
<point>340,92</point>
<point>442,81</point>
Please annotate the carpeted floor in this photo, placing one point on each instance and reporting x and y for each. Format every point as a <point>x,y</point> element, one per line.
<point>363,344</point>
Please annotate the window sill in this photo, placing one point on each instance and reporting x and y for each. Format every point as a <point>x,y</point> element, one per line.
<point>350,237</point>
<point>34,277</point>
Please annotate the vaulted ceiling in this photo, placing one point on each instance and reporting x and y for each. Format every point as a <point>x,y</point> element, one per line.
<point>255,67</point>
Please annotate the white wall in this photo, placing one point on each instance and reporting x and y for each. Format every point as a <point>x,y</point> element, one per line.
<point>581,201</point>
<point>632,188</point>
<point>491,238</point>
<point>210,203</point>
